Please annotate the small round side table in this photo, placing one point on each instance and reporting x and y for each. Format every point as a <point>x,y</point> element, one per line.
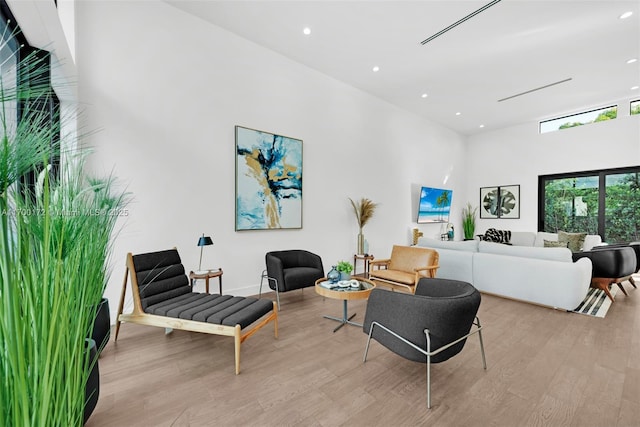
<point>206,275</point>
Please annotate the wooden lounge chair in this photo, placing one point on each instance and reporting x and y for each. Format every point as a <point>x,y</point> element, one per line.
<point>406,266</point>
<point>163,297</point>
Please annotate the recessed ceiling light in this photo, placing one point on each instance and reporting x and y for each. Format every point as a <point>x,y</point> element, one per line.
<point>458,113</point>
<point>626,15</point>
<point>635,87</point>
<point>376,69</point>
<point>306,31</point>
<point>424,95</point>
<point>481,126</point>
<point>632,60</point>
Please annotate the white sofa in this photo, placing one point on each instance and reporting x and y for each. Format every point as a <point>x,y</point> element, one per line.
<point>524,270</point>
<point>528,238</point>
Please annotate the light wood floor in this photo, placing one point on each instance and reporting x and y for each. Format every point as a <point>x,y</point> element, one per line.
<point>544,368</point>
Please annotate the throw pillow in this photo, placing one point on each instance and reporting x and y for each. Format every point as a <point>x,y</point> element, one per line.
<point>574,241</point>
<point>554,244</point>
<point>497,236</point>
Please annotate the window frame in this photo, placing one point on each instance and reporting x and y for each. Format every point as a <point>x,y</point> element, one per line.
<point>52,105</point>
<point>557,119</point>
<point>600,173</point>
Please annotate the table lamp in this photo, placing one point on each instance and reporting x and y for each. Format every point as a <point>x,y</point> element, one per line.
<point>202,242</point>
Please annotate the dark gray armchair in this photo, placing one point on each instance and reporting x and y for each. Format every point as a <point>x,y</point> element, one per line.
<point>611,264</point>
<point>430,326</point>
<point>292,269</point>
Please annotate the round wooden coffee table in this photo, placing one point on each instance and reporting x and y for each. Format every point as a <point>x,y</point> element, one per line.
<point>345,294</point>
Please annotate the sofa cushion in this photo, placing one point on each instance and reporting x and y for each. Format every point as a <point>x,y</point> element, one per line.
<point>590,240</point>
<point>555,284</point>
<point>467,245</point>
<point>523,238</point>
<point>455,264</point>
<point>575,241</point>
<point>554,244</point>
<point>541,236</point>
<point>552,254</point>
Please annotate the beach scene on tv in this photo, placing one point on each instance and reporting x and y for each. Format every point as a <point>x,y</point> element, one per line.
<point>435,204</point>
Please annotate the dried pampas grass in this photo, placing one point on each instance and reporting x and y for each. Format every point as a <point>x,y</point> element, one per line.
<point>364,210</point>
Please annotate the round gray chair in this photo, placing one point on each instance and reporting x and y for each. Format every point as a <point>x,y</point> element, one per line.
<point>430,326</point>
<point>291,269</point>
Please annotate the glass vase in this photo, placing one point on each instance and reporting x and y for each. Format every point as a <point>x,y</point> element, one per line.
<point>333,275</point>
<point>360,244</point>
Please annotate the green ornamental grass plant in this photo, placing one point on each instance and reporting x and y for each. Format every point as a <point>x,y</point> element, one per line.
<point>55,242</point>
<point>469,220</point>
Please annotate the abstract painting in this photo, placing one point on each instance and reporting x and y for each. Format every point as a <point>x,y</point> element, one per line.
<point>268,180</point>
<point>500,202</point>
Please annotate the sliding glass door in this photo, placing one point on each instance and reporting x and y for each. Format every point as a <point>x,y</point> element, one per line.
<point>605,202</point>
<point>622,207</point>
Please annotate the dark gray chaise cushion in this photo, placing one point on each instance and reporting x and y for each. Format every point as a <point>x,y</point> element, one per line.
<point>446,307</point>
<point>165,291</point>
<point>161,276</point>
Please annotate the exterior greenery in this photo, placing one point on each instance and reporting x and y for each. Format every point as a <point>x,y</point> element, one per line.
<point>622,208</point>
<point>609,114</point>
<point>635,107</point>
<point>575,204</point>
<point>561,212</point>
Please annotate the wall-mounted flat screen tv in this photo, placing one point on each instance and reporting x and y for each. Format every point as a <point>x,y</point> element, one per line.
<point>434,206</point>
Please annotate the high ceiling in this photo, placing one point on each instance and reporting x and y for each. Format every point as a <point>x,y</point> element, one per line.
<point>559,56</point>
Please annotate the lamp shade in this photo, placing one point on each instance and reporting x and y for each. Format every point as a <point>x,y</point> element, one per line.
<point>205,241</point>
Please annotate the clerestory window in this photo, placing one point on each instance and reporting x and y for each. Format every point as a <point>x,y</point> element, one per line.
<point>579,119</point>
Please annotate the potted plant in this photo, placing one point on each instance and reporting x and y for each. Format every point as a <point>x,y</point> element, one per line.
<point>469,221</point>
<point>345,268</point>
<point>363,210</point>
<point>55,240</point>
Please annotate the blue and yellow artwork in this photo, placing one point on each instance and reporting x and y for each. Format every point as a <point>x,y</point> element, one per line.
<point>268,180</point>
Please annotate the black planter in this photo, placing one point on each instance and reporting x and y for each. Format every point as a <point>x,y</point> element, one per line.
<point>92,389</point>
<point>102,326</point>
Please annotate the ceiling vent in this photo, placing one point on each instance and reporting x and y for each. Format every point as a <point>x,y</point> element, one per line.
<point>533,90</point>
<point>455,24</point>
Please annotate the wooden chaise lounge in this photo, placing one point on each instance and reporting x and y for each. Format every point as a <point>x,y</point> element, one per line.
<point>163,297</point>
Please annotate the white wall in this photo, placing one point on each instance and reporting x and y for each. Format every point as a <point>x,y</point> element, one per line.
<point>166,90</point>
<point>517,155</point>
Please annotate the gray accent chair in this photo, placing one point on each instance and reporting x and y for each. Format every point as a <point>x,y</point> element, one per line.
<point>291,269</point>
<point>430,326</point>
